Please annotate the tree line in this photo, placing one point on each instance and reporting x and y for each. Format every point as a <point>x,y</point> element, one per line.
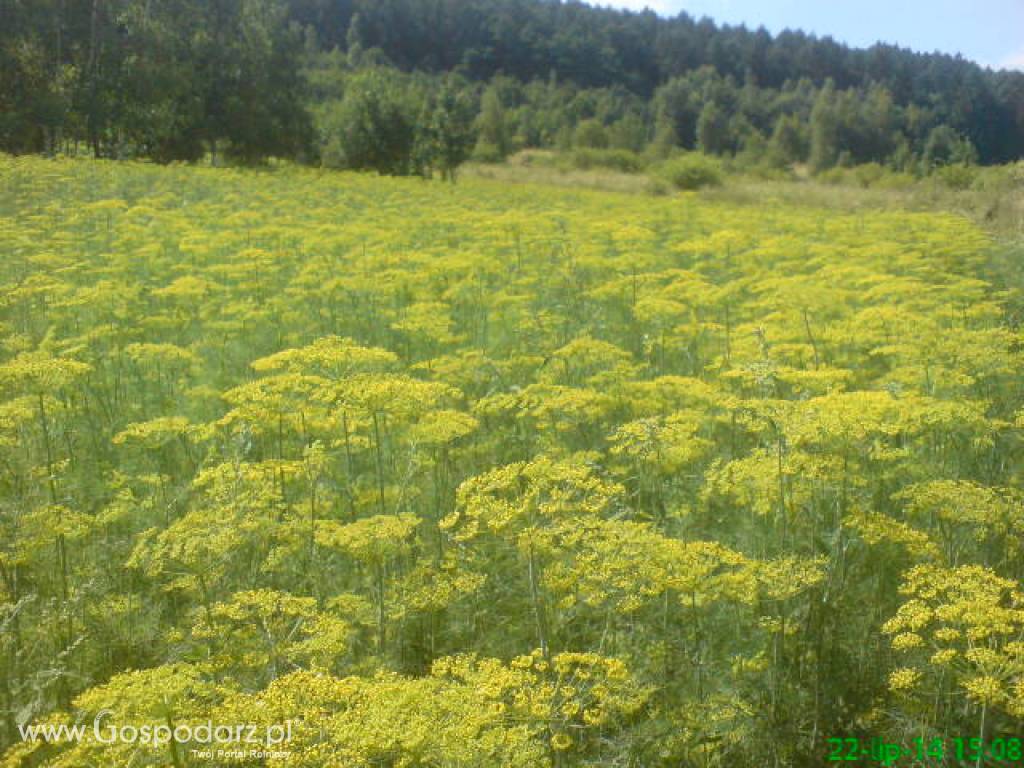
<point>414,86</point>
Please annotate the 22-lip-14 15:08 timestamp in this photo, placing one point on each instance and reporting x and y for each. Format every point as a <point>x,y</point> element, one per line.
<point>877,750</point>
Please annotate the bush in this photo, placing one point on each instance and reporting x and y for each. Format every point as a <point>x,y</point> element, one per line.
<point>621,160</point>
<point>956,177</point>
<point>486,152</point>
<point>692,171</point>
<point>834,176</point>
<point>1003,179</point>
<point>590,134</point>
<point>895,180</point>
<point>868,175</point>
<point>763,170</point>
<point>657,187</point>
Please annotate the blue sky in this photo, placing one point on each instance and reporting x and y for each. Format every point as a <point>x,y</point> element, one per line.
<point>990,32</point>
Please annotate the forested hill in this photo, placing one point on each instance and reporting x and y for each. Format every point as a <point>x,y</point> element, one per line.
<point>170,79</point>
<point>595,47</point>
<point>602,47</point>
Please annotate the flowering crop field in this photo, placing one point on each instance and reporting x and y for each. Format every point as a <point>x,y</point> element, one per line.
<point>480,476</point>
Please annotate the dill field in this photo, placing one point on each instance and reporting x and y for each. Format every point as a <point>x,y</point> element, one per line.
<point>476,475</point>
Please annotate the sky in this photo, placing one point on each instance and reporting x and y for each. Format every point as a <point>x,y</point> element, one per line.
<point>990,32</point>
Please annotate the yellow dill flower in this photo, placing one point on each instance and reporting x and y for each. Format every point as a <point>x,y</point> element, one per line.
<point>906,641</point>
<point>985,690</point>
<point>561,741</point>
<point>904,679</point>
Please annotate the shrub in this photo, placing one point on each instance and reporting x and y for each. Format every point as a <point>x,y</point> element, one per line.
<point>832,176</point>
<point>1004,179</point>
<point>485,152</point>
<point>657,187</point>
<point>957,177</point>
<point>868,175</point>
<point>590,134</point>
<point>895,180</point>
<point>762,170</point>
<point>621,160</point>
<point>692,171</point>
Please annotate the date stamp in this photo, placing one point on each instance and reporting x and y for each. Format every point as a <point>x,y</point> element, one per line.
<point>965,750</point>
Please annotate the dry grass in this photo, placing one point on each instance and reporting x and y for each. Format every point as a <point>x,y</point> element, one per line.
<point>998,211</point>
<point>612,181</point>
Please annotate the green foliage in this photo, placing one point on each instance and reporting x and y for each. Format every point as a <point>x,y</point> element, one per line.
<point>240,79</point>
<point>373,126</point>
<point>629,133</point>
<point>789,141</point>
<point>946,147</point>
<point>958,177</point>
<point>713,135</point>
<point>824,153</point>
<point>484,152</point>
<point>621,160</point>
<point>446,136</point>
<point>169,81</point>
<point>492,131</point>
<point>590,134</point>
<point>691,171</point>
<point>393,124</point>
